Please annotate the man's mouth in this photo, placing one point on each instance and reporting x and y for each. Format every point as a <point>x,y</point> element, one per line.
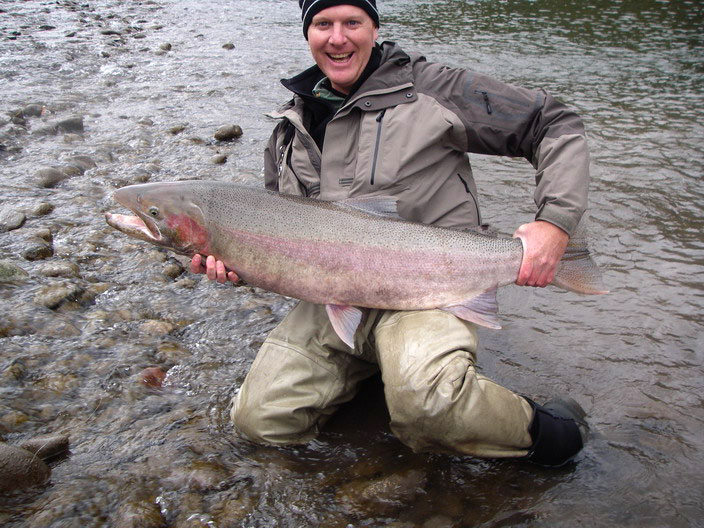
<point>340,57</point>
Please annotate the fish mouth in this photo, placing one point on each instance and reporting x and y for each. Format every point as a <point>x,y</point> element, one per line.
<point>135,226</point>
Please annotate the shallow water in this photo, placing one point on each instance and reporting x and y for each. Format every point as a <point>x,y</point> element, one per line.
<point>142,456</point>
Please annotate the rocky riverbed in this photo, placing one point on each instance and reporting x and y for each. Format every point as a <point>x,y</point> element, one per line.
<point>117,365</point>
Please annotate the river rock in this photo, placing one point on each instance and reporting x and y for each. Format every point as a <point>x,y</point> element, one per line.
<point>46,446</point>
<point>33,110</point>
<point>54,295</point>
<point>11,219</point>
<point>70,124</point>
<point>152,377</point>
<point>63,268</point>
<point>20,469</point>
<point>139,513</point>
<point>219,159</point>
<point>81,163</point>
<point>177,129</point>
<point>10,272</point>
<point>50,177</point>
<point>156,327</point>
<point>42,209</point>
<point>228,132</point>
<point>37,249</point>
<point>384,495</point>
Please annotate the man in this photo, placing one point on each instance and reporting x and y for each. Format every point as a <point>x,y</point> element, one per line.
<point>371,119</point>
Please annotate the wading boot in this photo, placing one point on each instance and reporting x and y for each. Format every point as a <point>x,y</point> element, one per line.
<point>558,430</point>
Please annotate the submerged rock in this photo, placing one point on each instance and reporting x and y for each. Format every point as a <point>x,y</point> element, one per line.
<point>11,219</point>
<point>47,446</point>
<point>20,469</point>
<point>49,177</point>
<point>10,272</point>
<point>228,132</point>
<point>152,377</point>
<point>382,495</point>
<point>38,249</point>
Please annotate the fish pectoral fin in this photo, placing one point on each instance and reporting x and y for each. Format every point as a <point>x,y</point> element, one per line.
<point>344,320</point>
<point>480,310</point>
<point>385,206</point>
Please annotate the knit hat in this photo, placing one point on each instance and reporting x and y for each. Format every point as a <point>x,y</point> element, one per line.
<point>312,7</point>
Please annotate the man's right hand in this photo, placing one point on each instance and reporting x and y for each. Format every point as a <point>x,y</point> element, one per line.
<point>213,269</point>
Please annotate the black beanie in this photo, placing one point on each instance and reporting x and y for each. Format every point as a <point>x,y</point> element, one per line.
<point>312,7</point>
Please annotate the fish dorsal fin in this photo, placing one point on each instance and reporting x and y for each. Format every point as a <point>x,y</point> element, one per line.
<point>344,320</point>
<point>385,206</point>
<point>480,310</point>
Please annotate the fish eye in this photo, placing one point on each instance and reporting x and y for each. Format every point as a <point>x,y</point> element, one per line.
<point>154,211</point>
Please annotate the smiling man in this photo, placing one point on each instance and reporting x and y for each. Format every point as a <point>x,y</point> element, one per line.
<point>371,119</point>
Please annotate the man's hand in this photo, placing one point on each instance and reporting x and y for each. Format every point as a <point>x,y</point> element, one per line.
<point>543,246</point>
<point>214,269</point>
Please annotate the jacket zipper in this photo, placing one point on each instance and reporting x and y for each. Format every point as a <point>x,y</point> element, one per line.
<point>474,199</point>
<point>485,95</point>
<point>379,119</point>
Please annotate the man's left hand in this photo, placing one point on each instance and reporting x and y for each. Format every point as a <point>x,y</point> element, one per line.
<point>543,247</point>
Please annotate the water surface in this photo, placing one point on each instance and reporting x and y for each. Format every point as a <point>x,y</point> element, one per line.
<point>168,457</point>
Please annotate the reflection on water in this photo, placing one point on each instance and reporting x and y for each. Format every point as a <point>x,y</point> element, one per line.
<point>97,308</point>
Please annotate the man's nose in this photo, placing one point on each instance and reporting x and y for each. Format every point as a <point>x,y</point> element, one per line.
<point>338,36</point>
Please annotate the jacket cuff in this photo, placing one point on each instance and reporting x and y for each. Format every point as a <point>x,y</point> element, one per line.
<point>554,215</point>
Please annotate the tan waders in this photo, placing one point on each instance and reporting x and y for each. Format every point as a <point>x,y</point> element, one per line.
<point>436,400</point>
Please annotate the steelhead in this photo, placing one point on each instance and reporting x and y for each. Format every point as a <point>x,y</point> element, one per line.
<point>346,255</point>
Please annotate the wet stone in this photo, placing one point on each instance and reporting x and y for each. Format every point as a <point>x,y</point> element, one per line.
<point>219,159</point>
<point>50,177</point>
<point>139,514</point>
<point>20,469</point>
<point>81,163</point>
<point>46,446</point>
<point>33,110</point>
<point>154,327</point>
<point>152,377</point>
<point>177,129</point>
<point>70,124</point>
<point>228,132</point>
<point>11,272</point>
<point>173,268</point>
<point>42,209</point>
<point>383,495</point>
<point>54,295</point>
<point>10,219</point>
<point>37,249</point>
<point>59,269</point>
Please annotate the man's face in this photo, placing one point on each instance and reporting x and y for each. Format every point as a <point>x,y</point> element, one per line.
<point>341,39</point>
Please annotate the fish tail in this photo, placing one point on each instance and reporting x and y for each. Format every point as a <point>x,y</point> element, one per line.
<point>577,270</point>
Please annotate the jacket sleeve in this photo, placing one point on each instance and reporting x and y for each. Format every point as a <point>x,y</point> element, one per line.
<point>507,120</point>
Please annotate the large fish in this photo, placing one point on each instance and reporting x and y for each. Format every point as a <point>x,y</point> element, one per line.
<point>345,255</point>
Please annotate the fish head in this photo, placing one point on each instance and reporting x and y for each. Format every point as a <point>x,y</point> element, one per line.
<point>166,215</point>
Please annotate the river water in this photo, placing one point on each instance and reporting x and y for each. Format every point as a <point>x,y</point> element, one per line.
<point>152,82</point>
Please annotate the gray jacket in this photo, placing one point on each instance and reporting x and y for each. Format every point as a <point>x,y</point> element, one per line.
<point>407,130</point>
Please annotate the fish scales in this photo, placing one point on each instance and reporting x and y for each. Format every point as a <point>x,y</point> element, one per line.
<point>341,254</point>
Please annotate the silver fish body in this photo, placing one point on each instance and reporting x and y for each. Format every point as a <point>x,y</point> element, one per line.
<point>345,254</point>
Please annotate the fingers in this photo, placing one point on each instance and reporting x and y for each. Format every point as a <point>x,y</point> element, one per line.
<point>214,269</point>
<point>543,247</point>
